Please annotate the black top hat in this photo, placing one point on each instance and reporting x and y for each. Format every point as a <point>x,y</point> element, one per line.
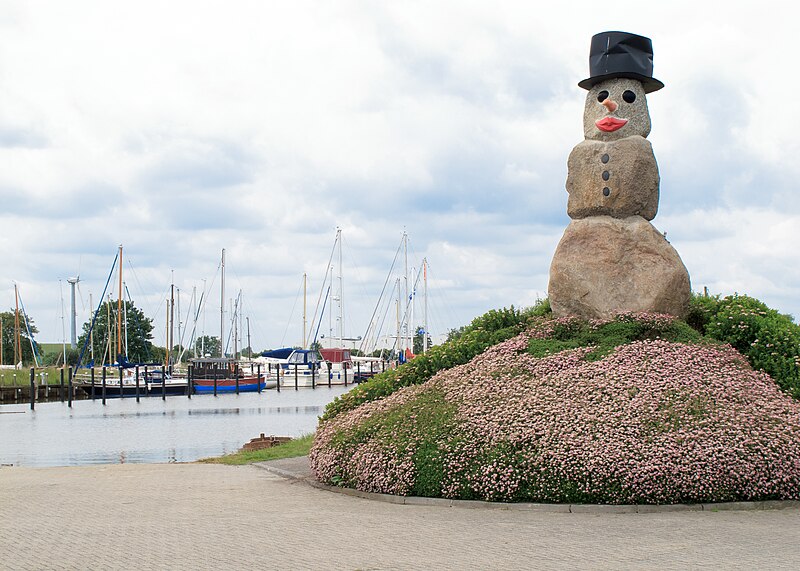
<point>620,54</point>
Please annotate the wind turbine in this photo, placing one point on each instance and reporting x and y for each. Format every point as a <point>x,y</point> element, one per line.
<point>73,340</point>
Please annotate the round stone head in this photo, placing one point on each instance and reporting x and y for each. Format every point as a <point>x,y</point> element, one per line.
<point>616,108</point>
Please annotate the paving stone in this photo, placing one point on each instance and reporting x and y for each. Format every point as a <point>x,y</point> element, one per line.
<point>646,509</point>
<point>601,509</point>
<point>206,516</point>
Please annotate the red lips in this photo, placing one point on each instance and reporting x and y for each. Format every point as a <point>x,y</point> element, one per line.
<point>609,124</point>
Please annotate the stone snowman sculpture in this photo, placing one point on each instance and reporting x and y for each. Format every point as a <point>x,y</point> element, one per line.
<point>611,259</point>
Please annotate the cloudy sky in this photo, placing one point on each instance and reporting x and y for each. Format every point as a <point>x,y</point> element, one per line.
<point>181,128</point>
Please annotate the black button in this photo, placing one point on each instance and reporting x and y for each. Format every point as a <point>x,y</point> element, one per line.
<point>604,158</point>
<point>606,191</point>
<point>606,175</point>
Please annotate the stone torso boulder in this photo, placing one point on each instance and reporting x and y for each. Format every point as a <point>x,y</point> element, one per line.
<point>613,178</point>
<point>606,265</point>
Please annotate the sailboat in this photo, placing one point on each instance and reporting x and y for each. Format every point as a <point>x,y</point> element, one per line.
<point>223,374</point>
<point>126,379</point>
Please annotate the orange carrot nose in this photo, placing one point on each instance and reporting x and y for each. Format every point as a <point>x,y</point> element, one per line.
<point>609,104</point>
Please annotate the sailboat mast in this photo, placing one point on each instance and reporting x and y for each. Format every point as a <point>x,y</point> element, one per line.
<point>17,342</point>
<point>398,314</point>
<point>125,317</point>
<point>405,288</point>
<point>425,305</point>
<point>119,305</point>
<point>171,318</point>
<point>110,341</point>
<point>305,319</point>
<point>166,334</point>
<point>249,346</point>
<point>222,309</point>
<point>341,291</point>
<point>203,336</point>
<point>91,330</point>
<point>178,310</point>
<point>234,329</point>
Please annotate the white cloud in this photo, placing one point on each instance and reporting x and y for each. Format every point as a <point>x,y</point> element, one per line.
<point>181,128</point>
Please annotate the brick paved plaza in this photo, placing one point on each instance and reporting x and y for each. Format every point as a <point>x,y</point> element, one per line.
<point>198,516</point>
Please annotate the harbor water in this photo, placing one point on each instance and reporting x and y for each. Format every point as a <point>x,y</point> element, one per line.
<point>153,430</point>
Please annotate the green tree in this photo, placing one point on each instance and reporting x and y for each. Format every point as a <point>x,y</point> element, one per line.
<point>104,335</point>
<point>158,355</point>
<point>418,339</point>
<point>7,338</point>
<point>207,345</point>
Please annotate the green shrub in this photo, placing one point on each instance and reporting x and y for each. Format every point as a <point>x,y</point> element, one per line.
<point>605,336</point>
<point>701,310</point>
<point>769,340</point>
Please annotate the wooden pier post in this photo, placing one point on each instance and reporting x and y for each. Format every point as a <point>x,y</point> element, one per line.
<point>33,388</point>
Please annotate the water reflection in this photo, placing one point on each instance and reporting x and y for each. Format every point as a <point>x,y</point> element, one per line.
<point>175,430</point>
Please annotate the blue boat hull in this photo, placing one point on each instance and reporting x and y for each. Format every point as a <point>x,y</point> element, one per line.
<point>229,388</point>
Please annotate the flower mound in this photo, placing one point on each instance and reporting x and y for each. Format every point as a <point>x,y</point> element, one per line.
<point>652,422</point>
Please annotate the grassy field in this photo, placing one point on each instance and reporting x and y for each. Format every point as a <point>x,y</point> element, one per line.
<point>22,377</point>
<point>297,447</point>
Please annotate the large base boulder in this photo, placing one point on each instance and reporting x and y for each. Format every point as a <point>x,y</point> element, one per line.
<point>605,265</point>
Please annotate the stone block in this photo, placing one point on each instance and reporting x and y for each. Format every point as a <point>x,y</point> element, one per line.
<point>617,178</point>
<point>604,265</point>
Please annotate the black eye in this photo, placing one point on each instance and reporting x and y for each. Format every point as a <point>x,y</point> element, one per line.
<point>629,96</point>
<point>602,96</point>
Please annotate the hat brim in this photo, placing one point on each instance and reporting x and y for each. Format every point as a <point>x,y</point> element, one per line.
<point>650,83</point>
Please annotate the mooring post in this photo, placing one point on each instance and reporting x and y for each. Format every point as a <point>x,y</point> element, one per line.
<point>258,376</point>
<point>278,376</point>
<point>61,386</point>
<point>189,373</point>
<point>236,374</point>
<point>344,364</point>
<point>121,391</point>
<point>91,374</point>
<point>215,380</point>
<point>330,375</point>
<point>69,387</point>
<point>357,378</point>
<point>104,384</point>
<point>295,376</point>
<point>136,372</point>
<point>33,388</point>
<point>163,383</point>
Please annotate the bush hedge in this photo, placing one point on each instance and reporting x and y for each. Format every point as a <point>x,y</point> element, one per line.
<point>769,340</point>
<point>653,421</point>
<point>641,408</point>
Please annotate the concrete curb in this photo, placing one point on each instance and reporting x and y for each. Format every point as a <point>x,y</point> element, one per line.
<point>305,477</point>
